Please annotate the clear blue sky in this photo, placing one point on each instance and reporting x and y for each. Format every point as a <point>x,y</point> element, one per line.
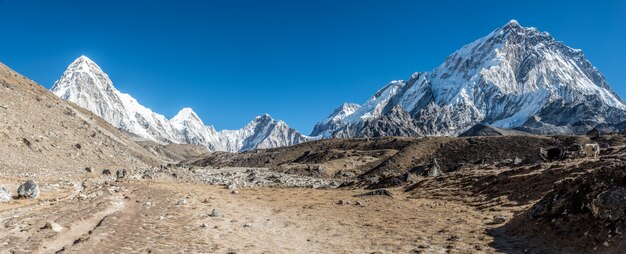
<point>296,60</point>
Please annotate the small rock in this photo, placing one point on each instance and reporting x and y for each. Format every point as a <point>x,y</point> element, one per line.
<point>121,173</point>
<point>359,203</point>
<point>231,186</point>
<point>499,219</point>
<point>204,225</point>
<point>216,213</point>
<point>88,170</point>
<point>234,192</point>
<point>606,244</point>
<point>54,226</point>
<point>247,225</point>
<point>379,192</point>
<point>435,169</point>
<point>106,172</point>
<point>517,161</point>
<point>29,189</point>
<point>344,202</point>
<point>181,201</point>
<point>4,194</point>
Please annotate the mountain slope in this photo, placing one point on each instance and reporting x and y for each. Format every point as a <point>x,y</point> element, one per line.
<point>43,135</point>
<point>85,84</point>
<point>515,77</point>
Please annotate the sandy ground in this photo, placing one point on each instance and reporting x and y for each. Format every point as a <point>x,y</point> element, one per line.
<point>143,217</point>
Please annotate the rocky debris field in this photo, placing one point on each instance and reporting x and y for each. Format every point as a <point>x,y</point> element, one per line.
<point>514,201</point>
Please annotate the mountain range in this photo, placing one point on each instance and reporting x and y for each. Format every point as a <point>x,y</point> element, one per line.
<point>514,78</point>
<point>85,84</point>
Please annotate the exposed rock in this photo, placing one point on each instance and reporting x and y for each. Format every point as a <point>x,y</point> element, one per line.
<point>29,189</point>
<point>216,213</point>
<point>53,226</point>
<point>435,169</point>
<point>499,219</point>
<point>5,195</point>
<point>121,173</point>
<point>379,192</point>
<point>517,161</point>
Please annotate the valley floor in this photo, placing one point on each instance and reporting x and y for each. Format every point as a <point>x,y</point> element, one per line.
<point>139,216</point>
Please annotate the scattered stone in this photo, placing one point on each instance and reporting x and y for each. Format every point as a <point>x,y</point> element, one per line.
<point>216,213</point>
<point>231,186</point>
<point>379,192</point>
<point>181,202</point>
<point>54,226</point>
<point>204,225</point>
<point>106,172</point>
<point>88,170</point>
<point>435,169</point>
<point>29,189</point>
<point>247,225</point>
<point>234,192</point>
<point>517,161</point>
<point>499,219</point>
<point>344,202</point>
<point>5,195</point>
<point>359,203</point>
<point>121,173</point>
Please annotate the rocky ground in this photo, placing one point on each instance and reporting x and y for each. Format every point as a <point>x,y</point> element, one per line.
<point>567,205</point>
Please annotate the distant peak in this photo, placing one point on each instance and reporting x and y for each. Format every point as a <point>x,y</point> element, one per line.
<point>264,116</point>
<point>185,114</point>
<point>513,23</point>
<point>83,63</point>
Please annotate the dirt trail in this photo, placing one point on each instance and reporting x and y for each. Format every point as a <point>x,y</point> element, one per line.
<point>145,218</point>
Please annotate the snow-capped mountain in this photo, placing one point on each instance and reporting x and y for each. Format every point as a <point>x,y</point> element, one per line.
<point>515,78</point>
<point>85,84</point>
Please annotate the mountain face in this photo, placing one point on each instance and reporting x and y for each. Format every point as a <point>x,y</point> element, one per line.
<point>44,136</point>
<point>513,78</point>
<point>85,84</point>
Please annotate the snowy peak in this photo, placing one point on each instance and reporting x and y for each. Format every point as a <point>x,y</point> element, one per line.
<point>85,84</point>
<point>186,115</point>
<point>508,79</point>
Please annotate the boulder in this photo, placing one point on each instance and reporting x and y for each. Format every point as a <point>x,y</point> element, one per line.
<point>54,226</point>
<point>29,189</point>
<point>216,213</point>
<point>592,150</point>
<point>435,169</point>
<point>5,195</point>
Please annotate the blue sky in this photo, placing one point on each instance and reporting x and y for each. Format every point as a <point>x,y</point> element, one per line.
<point>296,60</point>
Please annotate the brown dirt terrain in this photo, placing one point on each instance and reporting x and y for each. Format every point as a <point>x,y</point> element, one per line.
<point>43,135</point>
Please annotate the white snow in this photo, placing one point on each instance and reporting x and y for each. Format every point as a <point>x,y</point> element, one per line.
<point>85,84</point>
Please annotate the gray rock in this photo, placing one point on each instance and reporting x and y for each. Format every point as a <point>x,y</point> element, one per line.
<point>499,219</point>
<point>5,195</point>
<point>517,161</point>
<point>435,169</point>
<point>181,201</point>
<point>121,173</point>
<point>379,192</point>
<point>216,213</point>
<point>54,226</point>
<point>29,189</point>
